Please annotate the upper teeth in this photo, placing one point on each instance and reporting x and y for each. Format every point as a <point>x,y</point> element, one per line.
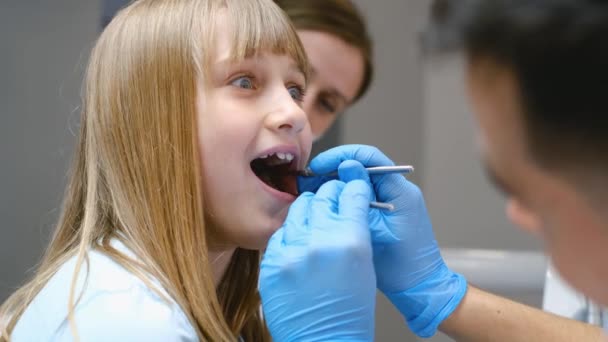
<point>281,155</point>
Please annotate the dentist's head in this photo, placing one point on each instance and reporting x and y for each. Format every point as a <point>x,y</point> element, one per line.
<point>537,73</point>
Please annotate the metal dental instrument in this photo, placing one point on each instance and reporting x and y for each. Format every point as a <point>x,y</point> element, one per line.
<point>376,170</point>
<point>382,206</point>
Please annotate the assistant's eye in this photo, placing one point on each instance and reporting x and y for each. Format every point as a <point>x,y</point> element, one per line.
<point>296,92</point>
<point>245,82</point>
<point>327,105</point>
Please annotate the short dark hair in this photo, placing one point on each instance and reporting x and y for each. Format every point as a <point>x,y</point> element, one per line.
<point>558,52</point>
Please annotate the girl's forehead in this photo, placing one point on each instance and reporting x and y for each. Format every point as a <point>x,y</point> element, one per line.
<point>246,32</point>
<point>229,57</point>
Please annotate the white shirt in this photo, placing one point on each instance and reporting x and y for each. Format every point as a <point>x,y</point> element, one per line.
<point>116,306</point>
<point>561,299</point>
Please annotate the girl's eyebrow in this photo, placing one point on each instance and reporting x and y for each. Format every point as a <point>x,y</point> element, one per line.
<point>228,62</point>
<point>225,66</point>
<point>293,68</point>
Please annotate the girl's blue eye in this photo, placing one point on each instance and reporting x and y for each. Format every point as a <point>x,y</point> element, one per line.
<point>244,82</point>
<point>296,92</point>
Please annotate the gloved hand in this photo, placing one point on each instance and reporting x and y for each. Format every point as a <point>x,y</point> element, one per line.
<point>407,260</point>
<point>317,280</point>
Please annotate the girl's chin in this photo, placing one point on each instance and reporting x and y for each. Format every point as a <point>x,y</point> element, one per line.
<point>259,239</point>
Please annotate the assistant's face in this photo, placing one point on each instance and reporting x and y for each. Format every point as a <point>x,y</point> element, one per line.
<point>337,74</point>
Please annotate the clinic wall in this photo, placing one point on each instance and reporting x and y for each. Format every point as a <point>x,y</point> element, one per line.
<point>390,116</point>
<point>44,46</point>
<point>466,210</point>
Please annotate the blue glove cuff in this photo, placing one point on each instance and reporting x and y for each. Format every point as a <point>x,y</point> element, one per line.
<point>426,305</point>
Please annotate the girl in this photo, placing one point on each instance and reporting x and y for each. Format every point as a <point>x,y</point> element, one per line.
<point>191,128</point>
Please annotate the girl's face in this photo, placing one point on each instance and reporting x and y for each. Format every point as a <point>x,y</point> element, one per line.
<point>252,133</point>
<point>337,74</point>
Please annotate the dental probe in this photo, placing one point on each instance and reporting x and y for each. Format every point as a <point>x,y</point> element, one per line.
<point>382,206</point>
<point>376,170</point>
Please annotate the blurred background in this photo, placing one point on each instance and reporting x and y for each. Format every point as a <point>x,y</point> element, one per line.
<point>416,112</point>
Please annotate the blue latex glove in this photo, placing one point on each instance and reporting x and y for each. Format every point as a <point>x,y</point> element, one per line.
<point>317,279</point>
<point>408,263</point>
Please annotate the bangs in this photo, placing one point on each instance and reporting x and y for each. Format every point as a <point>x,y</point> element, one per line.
<point>261,26</point>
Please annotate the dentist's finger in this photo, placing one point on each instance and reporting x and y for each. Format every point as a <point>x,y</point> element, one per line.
<point>296,230</point>
<point>325,204</point>
<point>311,184</point>
<point>329,160</point>
<point>350,170</point>
<point>275,244</point>
<point>354,202</point>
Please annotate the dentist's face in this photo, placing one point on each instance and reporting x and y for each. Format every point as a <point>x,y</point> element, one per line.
<point>337,75</point>
<point>542,201</point>
<point>252,133</point>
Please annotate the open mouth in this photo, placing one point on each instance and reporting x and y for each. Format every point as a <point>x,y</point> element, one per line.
<point>277,171</point>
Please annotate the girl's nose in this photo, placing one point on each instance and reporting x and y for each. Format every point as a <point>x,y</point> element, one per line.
<point>287,116</point>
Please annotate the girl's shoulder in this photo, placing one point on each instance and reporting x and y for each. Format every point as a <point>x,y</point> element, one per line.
<point>114,304</point>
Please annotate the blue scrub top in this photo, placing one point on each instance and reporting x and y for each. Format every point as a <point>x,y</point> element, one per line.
<point>116,306</point>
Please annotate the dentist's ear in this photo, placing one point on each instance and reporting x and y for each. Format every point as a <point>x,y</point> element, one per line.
<point>523,217</point>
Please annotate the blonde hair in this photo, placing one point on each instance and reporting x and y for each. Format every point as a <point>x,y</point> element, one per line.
<point>136,174</point>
